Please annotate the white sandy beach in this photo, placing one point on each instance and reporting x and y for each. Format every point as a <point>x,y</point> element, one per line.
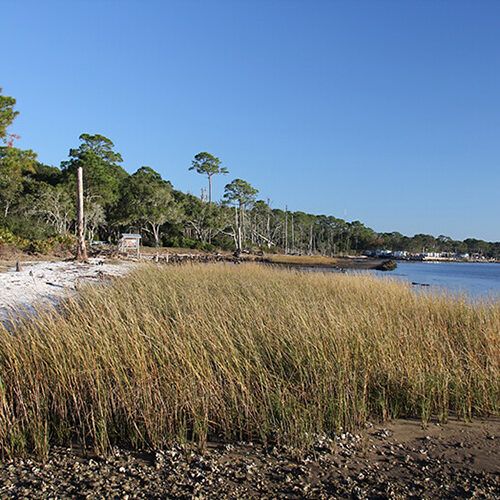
<point>47,282</point>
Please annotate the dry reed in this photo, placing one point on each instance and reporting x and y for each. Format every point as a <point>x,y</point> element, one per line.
<point>241,352</point>
<point>303,260</point>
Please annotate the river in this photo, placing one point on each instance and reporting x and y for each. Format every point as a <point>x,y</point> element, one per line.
<point>478,280</point>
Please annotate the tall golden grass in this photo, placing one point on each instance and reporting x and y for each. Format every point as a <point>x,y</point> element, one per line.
<point>303,260</point>
<point>201,352</point>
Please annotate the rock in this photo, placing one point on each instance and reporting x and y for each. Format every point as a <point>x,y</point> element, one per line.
<point>387,265</point>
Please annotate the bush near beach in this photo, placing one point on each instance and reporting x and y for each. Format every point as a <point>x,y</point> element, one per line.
<point>221,352</point>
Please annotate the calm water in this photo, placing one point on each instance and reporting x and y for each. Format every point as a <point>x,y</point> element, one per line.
<point>476,279</point>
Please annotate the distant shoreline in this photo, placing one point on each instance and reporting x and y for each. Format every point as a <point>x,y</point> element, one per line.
<point>339,263</point>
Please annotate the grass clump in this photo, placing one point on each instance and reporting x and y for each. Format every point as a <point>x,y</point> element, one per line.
<point>197,352</point>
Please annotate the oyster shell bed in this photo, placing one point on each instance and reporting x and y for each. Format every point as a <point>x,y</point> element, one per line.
<point>396,460</point>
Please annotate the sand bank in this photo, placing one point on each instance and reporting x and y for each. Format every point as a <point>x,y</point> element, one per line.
<point>48,282</point>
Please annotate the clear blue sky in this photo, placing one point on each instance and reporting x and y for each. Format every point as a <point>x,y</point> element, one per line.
<point>386,112</point>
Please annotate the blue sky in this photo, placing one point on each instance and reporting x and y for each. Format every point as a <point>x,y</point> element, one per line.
<point>386,112</point>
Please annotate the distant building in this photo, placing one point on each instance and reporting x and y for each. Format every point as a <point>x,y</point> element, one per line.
<point>400,254</point>
<point>431,255</point>
<point>383,253</point>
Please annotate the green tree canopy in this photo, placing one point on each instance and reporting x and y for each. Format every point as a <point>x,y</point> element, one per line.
<point>240,192</point>
<point>147,199</point>
<point>209,165</point>
<point>7,113</point>
<point>54,205</point>
<point>14,164</point>
<point>102,174</point>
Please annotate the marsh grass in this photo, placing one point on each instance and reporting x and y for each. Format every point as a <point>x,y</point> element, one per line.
<point>303,260</point>
<point>199,352</point>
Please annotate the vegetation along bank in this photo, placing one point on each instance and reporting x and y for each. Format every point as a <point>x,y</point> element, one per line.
<point>38,211</point>
<point>201,352</point>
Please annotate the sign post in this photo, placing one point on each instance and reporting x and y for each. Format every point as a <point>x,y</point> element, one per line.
<point>130,242</point>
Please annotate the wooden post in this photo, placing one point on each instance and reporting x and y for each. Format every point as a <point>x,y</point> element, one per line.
<point>286,229</point>
<point>82,251</point>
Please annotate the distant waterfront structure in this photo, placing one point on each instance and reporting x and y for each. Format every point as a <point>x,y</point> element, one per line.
<point>428,256</point>
<point>129,242</point>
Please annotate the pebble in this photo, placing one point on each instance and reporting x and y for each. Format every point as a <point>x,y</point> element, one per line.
<point>249,470</point>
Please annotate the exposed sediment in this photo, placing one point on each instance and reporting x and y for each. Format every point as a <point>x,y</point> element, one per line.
<point>398,460</point>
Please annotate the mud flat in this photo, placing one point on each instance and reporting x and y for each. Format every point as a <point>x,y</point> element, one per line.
<point>396,460</point>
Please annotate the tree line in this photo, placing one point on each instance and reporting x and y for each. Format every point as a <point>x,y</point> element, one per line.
<point>38,201</point>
